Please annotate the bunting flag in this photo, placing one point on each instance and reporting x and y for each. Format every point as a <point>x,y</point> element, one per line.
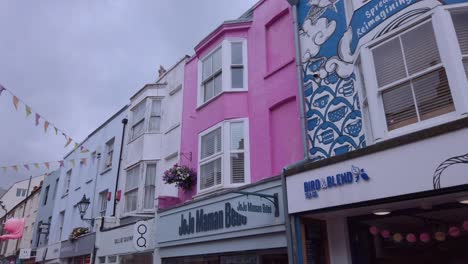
<point>61,163</point>
<point>46,126</point>
<point>46,164</point>
<point>28,110</point>
<point>15,167</point>
<point>26,166</point>
<point>37,119</point>
<point>84,150</point>
<point>36,165</point>
<point>15,102</point>
<point>72,162</point>
<point>83,161</point>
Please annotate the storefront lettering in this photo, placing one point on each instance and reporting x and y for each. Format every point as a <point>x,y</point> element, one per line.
<point>203,221</point>
<point>312,188</point>
<point>123,239</point>
<point>254,208</point>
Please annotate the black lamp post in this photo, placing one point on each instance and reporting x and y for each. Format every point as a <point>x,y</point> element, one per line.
<point>83,205</point>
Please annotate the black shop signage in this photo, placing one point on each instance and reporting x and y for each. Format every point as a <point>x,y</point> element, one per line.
<point>203,221</point>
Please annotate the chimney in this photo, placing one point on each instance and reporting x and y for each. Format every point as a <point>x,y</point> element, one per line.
<point>161,71</point>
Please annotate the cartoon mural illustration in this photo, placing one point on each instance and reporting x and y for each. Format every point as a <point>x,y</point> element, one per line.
<point>329,48</point>
<point>14,227</point>
<point>463,159</point>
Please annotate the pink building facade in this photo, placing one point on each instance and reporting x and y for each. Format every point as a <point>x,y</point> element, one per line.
<point>253,85</point>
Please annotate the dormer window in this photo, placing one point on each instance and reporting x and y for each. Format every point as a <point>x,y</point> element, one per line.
<point>223,70</point>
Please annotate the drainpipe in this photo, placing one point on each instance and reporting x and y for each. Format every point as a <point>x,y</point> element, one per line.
<point>300,78</point>
<point>124,122</point>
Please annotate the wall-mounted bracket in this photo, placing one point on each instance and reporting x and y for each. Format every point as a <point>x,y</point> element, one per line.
<point>272,198</point>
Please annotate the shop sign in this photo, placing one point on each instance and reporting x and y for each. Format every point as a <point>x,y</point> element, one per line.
<point>140,235</point>
<point>355,175</point>
<point>25,253</point>
<point>219,215</point>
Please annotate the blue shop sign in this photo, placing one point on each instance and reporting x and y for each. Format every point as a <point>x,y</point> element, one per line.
<point>355,175</point>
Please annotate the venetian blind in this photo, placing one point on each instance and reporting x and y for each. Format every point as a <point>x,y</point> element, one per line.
<point>237,153</point>
<point>460,21</point>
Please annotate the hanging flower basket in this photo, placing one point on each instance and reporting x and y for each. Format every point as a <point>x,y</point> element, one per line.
<point>77,232</point>
<point>183,176</point>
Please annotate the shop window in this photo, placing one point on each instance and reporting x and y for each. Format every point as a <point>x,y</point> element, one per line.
<point>223,69</point>
<point>223,152</point>
<point>314,242</point>
<point>460,21</point>
<point>140,194</point>
<point>112,259</point>
<point>102,259</point>
<point>145,258</point>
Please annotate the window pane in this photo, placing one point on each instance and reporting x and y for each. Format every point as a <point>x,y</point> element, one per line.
<point>218,85</point>
<point>465,63</point>
<point>132,178</point>
<point>433,94</point>
<point>217,61</point>
<point>148,202</point>
<point>399,106</point>
<point>207,70</point>
<point>102,259</point>
<point>420,48</point>
<point>137,129</point>
<point>208,90</point>
<point>237,136</point>
<point>236,53</point>
<point>155,123</point>
<point>211,143</point>
<point>237,168</point>
<point>138,112</point>
<point>237,75</point>
<point>460,21</point>
<point>210,174</point>
<point>156,107</point>
<point>389,65</point>
<point>131,200</point>
<point>150,175</point>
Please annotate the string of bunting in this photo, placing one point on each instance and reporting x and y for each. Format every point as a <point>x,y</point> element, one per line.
<point>47,165</point>
<point>38,118</point>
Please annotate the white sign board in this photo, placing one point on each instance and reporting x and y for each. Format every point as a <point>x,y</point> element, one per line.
<point>25,253</point>
<point>430,164</point>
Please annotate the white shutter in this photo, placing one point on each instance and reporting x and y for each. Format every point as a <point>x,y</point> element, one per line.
<point>237,160</point>
<point>237,168</point>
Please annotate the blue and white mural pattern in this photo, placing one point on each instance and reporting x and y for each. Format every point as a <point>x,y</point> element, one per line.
<point>329,48</point>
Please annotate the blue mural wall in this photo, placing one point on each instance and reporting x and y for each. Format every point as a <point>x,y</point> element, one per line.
<point>329,46</point>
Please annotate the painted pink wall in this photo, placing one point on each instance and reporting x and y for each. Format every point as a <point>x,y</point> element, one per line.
<point>271,102</point>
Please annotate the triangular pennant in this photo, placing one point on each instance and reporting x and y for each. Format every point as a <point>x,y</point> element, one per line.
<point>56,130</point>
<point>26,166</point>
<point>36,165</point>
<point>69,140</point>
<point>46,126</point>
<point>46,164</point>
<point>28,111</point>
<point>15,102</point>
<point>1,89</point>
<point>83,161</point>
<point>15,167</point>
<point>37,119</point>
<point>61,163</point>
<point>84,150</point>
<point>4,167</point>
<point>72,162</point>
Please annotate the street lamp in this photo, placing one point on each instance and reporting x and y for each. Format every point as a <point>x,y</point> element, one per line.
<point>83,205</point>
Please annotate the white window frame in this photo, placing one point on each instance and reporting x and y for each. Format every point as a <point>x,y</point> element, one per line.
<point>226,66</point>
<point>67,181</point>
<point>140,188</point>
<point>448,50</point>
<point>103,203</point>
<point>108,161</point>
<point>146,117</point>
<point>225,155</point>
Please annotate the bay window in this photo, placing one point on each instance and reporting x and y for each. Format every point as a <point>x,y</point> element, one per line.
<point>414,78</point>
<point>140,187</point>
<point>224,155</point>
<point>223,70</point>
<point>146,121</point>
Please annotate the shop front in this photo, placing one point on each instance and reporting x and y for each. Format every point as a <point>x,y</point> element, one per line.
<point>78,251</point>
<point>131,243</point>
<point>236,226</point>
<point>400,201</point>
<point>49,254</point>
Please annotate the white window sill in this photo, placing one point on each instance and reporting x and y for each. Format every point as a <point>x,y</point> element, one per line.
<point>446,118</point>
<point>214,189</point>
<point>243,90</point>
<point>106,170</point>
<point>65,195</point>
<point>171,128</point>
<point>145,133</point>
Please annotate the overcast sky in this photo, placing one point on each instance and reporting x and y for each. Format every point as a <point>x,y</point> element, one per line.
<point>78,61</point>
